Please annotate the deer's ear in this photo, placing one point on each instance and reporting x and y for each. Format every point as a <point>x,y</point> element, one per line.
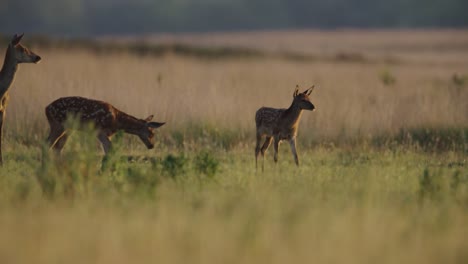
<point>149,118</point>
<point>155,124</point>
<point>16,39</point>
<point>309,91</point>
<point>296,91</point>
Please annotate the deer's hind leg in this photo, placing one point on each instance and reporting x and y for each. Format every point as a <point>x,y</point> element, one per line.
<point>257,148</point>
<point>60,142</point>
<point>266,144</point>
<point>265,147</point>
<point>57,131</point>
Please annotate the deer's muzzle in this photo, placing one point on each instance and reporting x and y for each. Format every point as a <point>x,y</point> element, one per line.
<point>37,59</point>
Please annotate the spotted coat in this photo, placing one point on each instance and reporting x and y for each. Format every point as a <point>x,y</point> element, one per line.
<point>106,119</point>
<point>277,124</point>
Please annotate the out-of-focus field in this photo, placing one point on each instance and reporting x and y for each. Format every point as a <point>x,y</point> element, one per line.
<point>356,97</point>
<point>383,177</point>
<point>424,46</point>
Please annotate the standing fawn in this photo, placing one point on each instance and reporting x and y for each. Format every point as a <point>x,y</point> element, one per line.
<point>15,54</point>
<point>281,124</point>
<point>106,119</point>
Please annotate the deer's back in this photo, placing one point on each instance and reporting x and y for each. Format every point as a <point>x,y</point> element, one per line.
<point>88,110</point>
<point>267,119</point>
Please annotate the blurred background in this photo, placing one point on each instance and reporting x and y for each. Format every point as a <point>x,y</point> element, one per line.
<point>129,17</point>
<point>383,68</point>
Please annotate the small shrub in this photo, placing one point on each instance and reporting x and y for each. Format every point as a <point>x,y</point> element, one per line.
<point>459,187</point>
<point>458,85</point>
<point>387,78</point>
<point>206,163</point>
<point>178,138</point>
<point>459,80</point>
<point>430,186</point>
<point>174,165</point>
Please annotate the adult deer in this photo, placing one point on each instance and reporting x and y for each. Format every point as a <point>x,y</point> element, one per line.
<point>15,54</point>
<point>281,124</point>
<point>106,119</point>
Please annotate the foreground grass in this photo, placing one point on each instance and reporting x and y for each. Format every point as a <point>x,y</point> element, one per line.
<point>342,205</point>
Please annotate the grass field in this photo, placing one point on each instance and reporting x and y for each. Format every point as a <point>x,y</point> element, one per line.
<point>383,178</point>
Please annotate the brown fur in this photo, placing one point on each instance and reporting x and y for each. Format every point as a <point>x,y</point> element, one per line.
<point>281,124</point>
<point>15,54</point>
<point>106,119</point>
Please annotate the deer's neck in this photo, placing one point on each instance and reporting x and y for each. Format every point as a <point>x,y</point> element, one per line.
<point>292,115</point>
<point>129,124</point>
<point>7,74</point>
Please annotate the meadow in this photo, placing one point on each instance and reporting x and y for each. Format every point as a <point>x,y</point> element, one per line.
<point>383,175</point>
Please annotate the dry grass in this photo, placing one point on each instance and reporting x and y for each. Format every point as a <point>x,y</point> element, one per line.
<point>352,99</point>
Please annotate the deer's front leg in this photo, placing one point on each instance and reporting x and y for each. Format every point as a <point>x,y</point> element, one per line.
<point>292,143</point>
<point>2,116</point>
<point>276,145</point>
<point>105,141</point>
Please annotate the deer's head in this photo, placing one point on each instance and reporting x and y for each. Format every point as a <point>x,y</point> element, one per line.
<point>147,132</point>
<point>22,54</point>
<point>302,99</point>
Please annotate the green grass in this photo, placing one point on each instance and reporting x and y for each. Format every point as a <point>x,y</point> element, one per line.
<point>342,204</point>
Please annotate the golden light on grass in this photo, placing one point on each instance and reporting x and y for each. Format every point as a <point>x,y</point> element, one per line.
<point>346,203</point>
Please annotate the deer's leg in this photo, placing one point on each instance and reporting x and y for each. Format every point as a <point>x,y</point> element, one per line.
<point>60,142</point>
<point>56,131</point>
<point>265,146</point>
<point>2,116</point>
<point>276,145</point>
<point>3,105</point>
<point>105,141</point>
<point>257,148</point>
<point>107,146</point>
<point>292,143</point>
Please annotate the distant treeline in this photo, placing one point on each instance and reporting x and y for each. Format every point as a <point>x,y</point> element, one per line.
<point>90,17</point>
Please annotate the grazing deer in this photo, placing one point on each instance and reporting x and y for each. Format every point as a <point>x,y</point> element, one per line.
<point>281,124</point>
<point>15,54</point>
<point>106,119</point>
